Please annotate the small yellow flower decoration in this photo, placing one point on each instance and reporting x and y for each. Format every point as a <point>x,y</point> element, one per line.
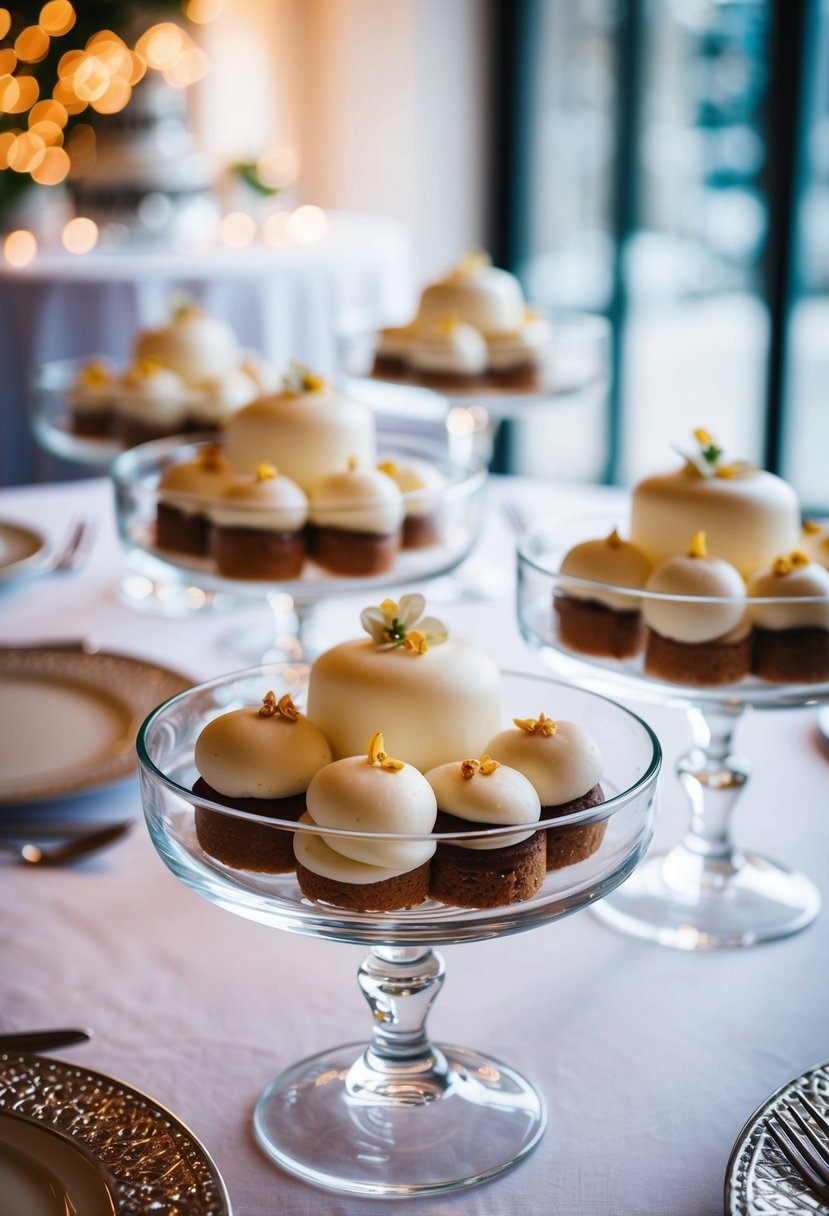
<point>300,379</point>
<point>698,546</point>
<point>283,708</point>
<point>392,624</point>
<point>148,366</point>
<point>708,459</point>
<point>542,725</point>
<point>96,373</point>
<point>811,527</point>
<point>390,467</point>
<point>795,560</point>
<point>447,324</point>
<point>378,757</point>
<point>266,471</point>
<point>485,766</point>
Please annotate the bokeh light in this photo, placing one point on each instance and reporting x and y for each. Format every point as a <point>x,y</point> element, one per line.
<point>203,11</point>
<point>26,153</point>
<point>19,247</point>
<point>237,229</point>
<point>308,224</point>
<point>57,17</point>
<point>275,229</point>
<point>32,44</point>
<point>8,61</point>
<point>80,235</point>
<point>5,22</point>
<point>279,167</point>
<point>53,168</point>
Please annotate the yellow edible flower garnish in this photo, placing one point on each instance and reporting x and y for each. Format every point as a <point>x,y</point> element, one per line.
<point>811,527</point>
<point>265,471</point>
<point>392,624</point>
<point>485,766</point>
<point>299,379</point>
<point>377,755</point>
<point>148,366</point>
<point>698,546</point>
<point>542,725</point>
<point>389,467</point>
<point>283,708</point>
<point>703,437</point>
<point>473,259</point>
<point>96,373</point>
<point>795,560</point>
<point>352,464</point>
<point>448,324</point>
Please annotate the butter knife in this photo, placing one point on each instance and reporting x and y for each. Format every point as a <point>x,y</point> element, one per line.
<point>43,1040</point>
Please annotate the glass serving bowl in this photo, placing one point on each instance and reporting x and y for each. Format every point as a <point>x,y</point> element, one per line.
<point>400,1117</point>
<point>456,506</point>
<point>705,892</point>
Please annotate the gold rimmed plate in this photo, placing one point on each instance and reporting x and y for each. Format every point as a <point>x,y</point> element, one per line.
<point>20,550</point>
<point>69,719</point>
<point>68,1133</point>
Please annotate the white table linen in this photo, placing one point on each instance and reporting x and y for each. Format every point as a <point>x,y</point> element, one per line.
<point>650,1059</point>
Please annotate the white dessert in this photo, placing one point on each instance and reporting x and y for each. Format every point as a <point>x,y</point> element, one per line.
<point>394,342</point>
<point>486,792</point>
<point>527,344</point>
<point>561,759</point>
<point>153,395</point>
<point>612,562</point>
<point>308,430</point>
<point>269,751</point>
<point>449,346</point>
<point>436,698</point>
<point>357,500</point>
<point>814,542</point>
<point>194,345</point>
<point>372,794</point>
<point>748,515</point>
<point>93,387</point>
<point>479,294</point>
<point>694,575</point>
<point>420,483</point>
<point>264,500</point>
<point>218,398</point>
<point>190,485</point>
<point>794,580</point>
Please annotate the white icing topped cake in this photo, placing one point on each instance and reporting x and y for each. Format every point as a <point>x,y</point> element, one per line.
<point>263,500</point>
<point>420,482</point>
<point>193,344</point>
<point>219,397</point>
<point>93,387</point>
<point>449,346</point>
<point>611,561</point>
<point>793,579</point>
<point>696,574</point>
<point>357,500</point>
<point>479,294</point>
<point>308,430</point>
<point>561,759</point>
<point>434,697</point>
<point>375,794</point>
<point>485,792</point>
<point>153,394</point>
<point>749,516</point>
<point>518,347</point>
<point>269,751</point>
<point>190,484</point>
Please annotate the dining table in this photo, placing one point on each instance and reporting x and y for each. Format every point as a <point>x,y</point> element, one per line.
<point>651,1059</point>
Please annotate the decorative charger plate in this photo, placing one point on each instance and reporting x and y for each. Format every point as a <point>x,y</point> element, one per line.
<point>20,549</point>
<point>133,1148</point>
<point>759,1181</point>
<point>68,719</point>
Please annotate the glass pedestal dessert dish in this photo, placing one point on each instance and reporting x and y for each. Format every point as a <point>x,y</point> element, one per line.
<point>455,509</point>
<point>401,1116</point>
<point>705,892</point>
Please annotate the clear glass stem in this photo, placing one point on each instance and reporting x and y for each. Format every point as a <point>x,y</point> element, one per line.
<point>713,778</point>
<point>400,1065</point>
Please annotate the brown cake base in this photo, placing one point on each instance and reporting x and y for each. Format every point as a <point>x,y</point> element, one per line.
<point>387,368</point>
<point>181,531</point>
<point>421,531</point>
<point>92,424</point>
<point>568,845</point>
<point>253,553</point>
<point>592,628</point>
<point>697,663</point>
<point>404,891</point>
<point>524,377</point>
<point>485,878</point>
<point>796,656</point>
<point>131,432</point>
<point>352,553</point>
<point>248,846</point>
<point>450,380</point>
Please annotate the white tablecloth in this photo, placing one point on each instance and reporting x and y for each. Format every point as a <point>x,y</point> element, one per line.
<point>282,301</point>
<point>650,1059</point>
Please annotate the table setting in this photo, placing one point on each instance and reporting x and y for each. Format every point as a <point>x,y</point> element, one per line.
<point>626,1044</point>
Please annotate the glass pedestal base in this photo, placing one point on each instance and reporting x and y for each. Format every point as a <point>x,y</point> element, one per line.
<point>692,903</point>
<point>465,1120</point>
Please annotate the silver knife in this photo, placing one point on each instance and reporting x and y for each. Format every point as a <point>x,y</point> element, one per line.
<point>43,1040</point>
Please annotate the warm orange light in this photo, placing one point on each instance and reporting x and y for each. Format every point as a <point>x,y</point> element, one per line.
<point>80,235</point>
<point>48,111</point>
<point>237,229</point>
<point>202,11</point>
<point>69,62</point>
<point>308,224</point>
<point>112,53</point>
<point>26,153</point>
<point>6,141</point>
<point>278,167</point>
<point>82,141</point>
<point>115,98</point>
<point>91,79</point>
<point>275,227</point>
<point>65,95</point>
<point>57,17</point>
<point>49,132</point>
<point>9,93</point>
<point>138,70</point>
<point>189,67</point>
<point>28,91</point>
<point>32,44</point>
<point>162,44</point>
<point>19,247</point>
<point>53,168</point>
<point>5,22</point>
<point>8,62</point>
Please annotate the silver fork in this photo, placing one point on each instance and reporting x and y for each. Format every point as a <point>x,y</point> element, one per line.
<point>73,552</point>
<point>800,1143</point>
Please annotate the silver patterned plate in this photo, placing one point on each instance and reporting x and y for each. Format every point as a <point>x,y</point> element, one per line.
<point>153,1163</point>
<point>759,1181</point>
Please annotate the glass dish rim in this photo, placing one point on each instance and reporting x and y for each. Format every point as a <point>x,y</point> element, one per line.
<point>599,813</point>
<point>636,593</point>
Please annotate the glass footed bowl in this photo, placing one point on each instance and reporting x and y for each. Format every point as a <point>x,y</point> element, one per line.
<point>52,420</point>
<point>705,892</point>
<point>454,510</point>
<point>400,1117</point>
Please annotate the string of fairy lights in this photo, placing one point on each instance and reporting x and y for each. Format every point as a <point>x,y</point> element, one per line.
<point>42,134</point>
